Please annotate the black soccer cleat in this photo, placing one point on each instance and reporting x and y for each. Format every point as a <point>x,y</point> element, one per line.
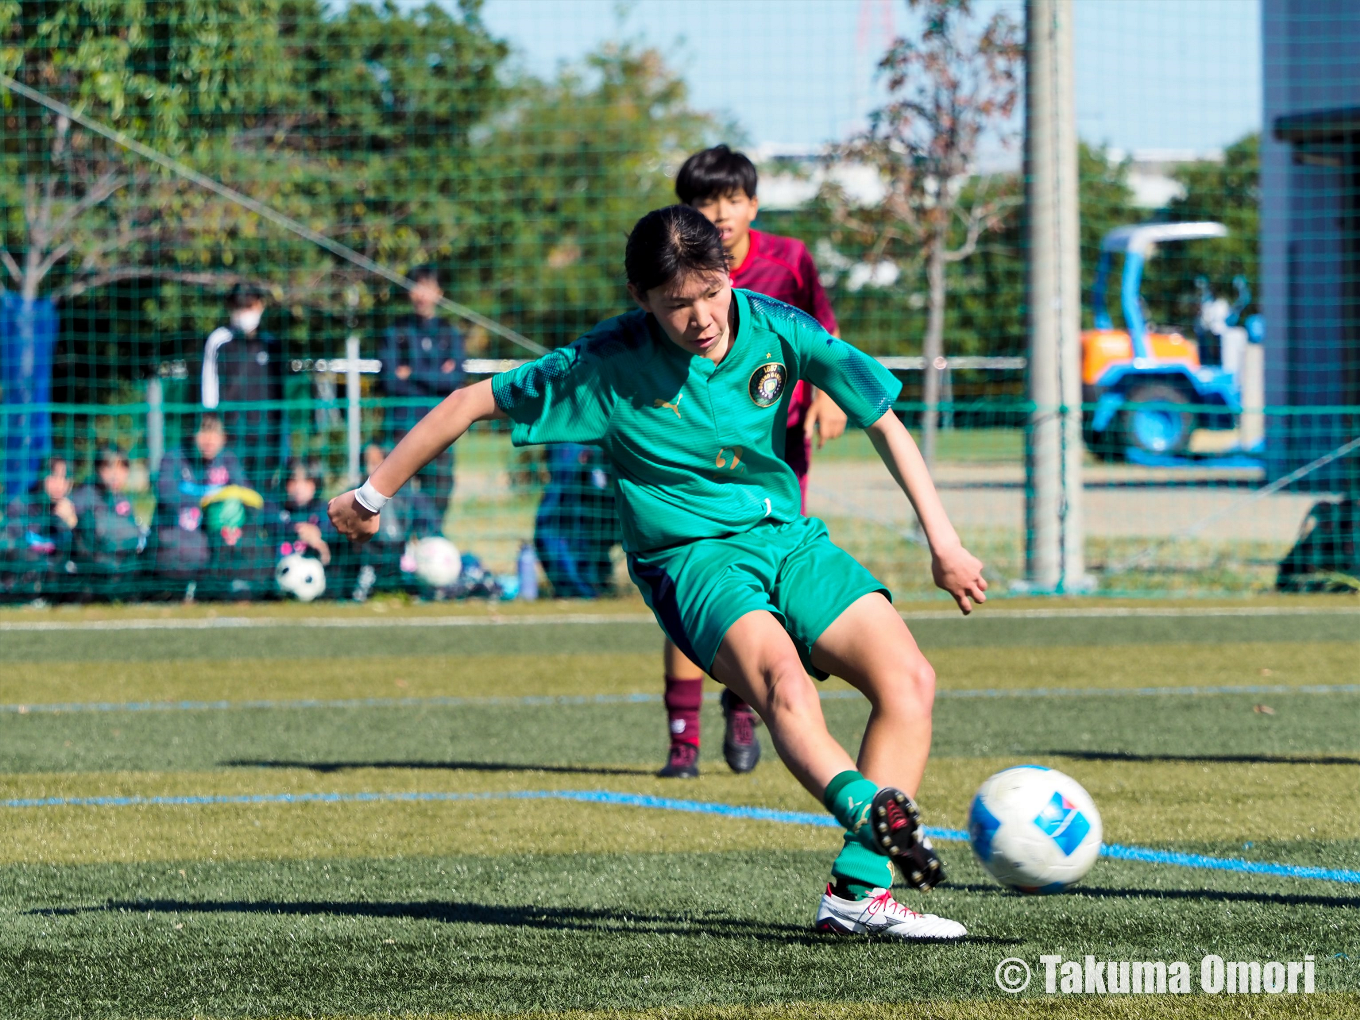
<point>741,746</point>
<point>681,763</point>
<point>898,833</point>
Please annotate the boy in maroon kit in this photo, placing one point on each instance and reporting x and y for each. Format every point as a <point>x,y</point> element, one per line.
<point>721,184</point>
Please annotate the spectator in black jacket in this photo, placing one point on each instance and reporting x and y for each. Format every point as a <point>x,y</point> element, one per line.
<point>38,537</point>
<point>300,524</point>
<point>242,362</point>
<point>576,525</point>
<point>422,356</point>
<point>187,475</point>
<point>108,538</point>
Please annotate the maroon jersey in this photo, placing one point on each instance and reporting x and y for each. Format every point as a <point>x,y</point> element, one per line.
<point>782,268</point>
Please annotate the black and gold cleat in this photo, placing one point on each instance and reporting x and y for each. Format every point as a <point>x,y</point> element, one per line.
<point>898,833</point>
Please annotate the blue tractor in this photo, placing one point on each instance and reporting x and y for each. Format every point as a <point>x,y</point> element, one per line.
<point>1149,388</point>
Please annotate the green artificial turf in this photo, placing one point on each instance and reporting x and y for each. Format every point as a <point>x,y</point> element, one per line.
<point>588,931</point>
<point>500,906</point>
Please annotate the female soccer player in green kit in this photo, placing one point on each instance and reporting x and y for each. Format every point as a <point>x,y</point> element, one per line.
<point>687,396</point>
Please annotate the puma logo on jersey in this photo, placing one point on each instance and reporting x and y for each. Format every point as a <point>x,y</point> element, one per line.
<point>658,402</point>
<point>729,451</point>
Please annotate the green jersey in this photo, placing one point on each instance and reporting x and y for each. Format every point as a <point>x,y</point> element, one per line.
<point>696,447</point>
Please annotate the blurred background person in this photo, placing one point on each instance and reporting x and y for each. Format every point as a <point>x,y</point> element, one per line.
<point>108,539</point>
<point>39,537</point>
<point>299,524</point>
<point>242,362</point>
<point>410,514</point>
<point>187,475</point>
<point>576,526</point>
<point>422,356</point>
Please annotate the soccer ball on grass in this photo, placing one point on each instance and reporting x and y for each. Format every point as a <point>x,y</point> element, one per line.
<point>437,562</point>
<point>303,577</point>
<point>1034,829</point>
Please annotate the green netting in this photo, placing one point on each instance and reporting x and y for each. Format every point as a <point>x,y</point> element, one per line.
<point>1221,361</point>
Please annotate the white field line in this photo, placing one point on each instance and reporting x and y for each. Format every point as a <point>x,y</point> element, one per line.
<point>591,619</point>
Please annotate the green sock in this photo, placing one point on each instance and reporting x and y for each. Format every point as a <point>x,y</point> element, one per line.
<point>857,869</point>
<point>848,797</point>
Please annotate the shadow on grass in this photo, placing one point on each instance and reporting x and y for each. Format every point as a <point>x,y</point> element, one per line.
<point>443,766</point>
<point>1209,759</point>
<point>1206,895</point>
<point>583,919</point>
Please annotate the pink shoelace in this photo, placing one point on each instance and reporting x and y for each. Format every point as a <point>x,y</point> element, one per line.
<point>885,903</point>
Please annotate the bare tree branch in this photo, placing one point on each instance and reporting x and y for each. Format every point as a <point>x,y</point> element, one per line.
<point>30,202</point>
<point>101,189</point>
<point>980,220</point>
<point>43,229</point>
<point>56,255</point>
<point>11,265</point>
<point>122,240</point>
<point>143,273</point>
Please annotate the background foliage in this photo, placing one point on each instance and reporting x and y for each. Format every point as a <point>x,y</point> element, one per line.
<point>410,134</point>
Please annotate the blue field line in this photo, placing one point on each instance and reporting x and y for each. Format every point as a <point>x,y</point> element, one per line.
<point>642,698</point>
<point>1117,852</point>
<point>1114,851</point>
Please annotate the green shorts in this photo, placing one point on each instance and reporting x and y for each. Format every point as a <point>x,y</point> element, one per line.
<point>698,590</point>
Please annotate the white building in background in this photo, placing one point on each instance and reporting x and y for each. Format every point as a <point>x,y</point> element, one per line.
<point>1151,172</point>
<point>790,176</point>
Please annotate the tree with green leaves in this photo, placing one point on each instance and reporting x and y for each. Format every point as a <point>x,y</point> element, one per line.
<point>950,92</point>
<point>561,180</point>
<point>1226,190</point>
<point>358,123</point>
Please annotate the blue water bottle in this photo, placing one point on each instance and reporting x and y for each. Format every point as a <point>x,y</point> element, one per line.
<point>528,572</point>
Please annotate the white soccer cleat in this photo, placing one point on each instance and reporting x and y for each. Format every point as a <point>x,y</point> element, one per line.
<point>880,914</point>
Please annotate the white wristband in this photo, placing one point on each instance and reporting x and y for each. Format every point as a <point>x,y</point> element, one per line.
<point>370,498</point>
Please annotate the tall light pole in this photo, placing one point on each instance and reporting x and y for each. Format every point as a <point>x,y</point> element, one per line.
<point>1054,555</point>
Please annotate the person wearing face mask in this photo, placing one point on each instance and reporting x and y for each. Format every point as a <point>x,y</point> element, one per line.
<point>242,362</point>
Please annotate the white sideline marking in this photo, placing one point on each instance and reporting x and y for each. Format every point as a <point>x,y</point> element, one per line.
<point>324,622</point>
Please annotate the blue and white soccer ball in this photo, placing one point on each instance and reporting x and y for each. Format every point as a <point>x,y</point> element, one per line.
<point>1034,829</point>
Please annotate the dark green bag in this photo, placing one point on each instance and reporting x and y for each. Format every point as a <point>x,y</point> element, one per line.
<point>1326,556</point>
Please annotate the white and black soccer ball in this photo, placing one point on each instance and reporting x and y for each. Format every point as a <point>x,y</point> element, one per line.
<point>1034,829</point>
<point>438,563</point>
<point>300,576</point>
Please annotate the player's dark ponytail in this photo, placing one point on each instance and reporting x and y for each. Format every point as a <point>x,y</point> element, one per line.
<point>670,241</point>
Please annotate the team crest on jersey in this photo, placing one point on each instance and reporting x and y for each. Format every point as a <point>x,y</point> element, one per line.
<point>767,383</point>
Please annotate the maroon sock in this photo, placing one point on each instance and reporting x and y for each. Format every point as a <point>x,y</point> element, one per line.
<point>683,698</point>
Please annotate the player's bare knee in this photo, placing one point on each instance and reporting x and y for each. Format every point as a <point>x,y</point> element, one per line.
<point>790,693</point>
<point>921,679</point>
<point>909,692</point>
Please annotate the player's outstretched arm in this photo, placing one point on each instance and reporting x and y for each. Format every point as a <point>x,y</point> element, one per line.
<point>955,569</point>
<point>432,435</point>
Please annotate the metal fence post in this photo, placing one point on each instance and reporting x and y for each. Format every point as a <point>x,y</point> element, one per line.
<point>1054,556</point>
<point>155,424</point>
<point>352,406</point>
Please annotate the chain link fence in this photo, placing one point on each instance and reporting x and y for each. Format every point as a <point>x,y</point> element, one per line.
<point>246,244</point>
